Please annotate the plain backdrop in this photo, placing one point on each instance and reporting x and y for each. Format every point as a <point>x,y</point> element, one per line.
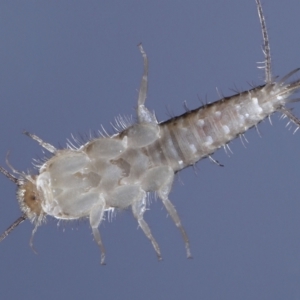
<point>68,67</point>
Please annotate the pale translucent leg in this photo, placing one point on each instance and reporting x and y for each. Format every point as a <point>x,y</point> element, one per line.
<point>138,209</point>
<point>96,217</point>
<point>163,193</point>
<point>144,115</point>
<point>144,83</point>
<point>160,179</point>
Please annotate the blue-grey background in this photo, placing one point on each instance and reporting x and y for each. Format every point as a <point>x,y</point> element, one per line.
<point>70,66</point>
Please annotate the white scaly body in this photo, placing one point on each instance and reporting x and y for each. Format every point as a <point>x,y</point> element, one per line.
<point>118,171</point>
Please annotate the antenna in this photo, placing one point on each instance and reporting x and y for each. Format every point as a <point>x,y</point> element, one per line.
<point>12,227</point>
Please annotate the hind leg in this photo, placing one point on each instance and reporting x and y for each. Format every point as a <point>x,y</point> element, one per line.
<point>138,209</point>
<point>160,179</point>
<point>163,193</point>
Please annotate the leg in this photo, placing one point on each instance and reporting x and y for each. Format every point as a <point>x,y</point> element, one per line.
<point>96,216</point>
<point>144,115</point>
<point>138,209</point>
<point>160,179</point>
<point>163,193</point>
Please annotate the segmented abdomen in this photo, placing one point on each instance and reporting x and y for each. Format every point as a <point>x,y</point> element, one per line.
<point>198,133</point>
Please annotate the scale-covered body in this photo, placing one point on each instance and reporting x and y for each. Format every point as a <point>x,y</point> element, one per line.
<point>118,171</point>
